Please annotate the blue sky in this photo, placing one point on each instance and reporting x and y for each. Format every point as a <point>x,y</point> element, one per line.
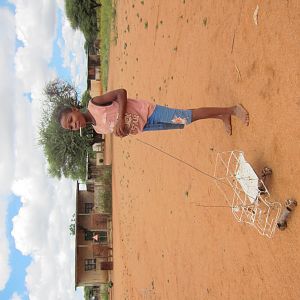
<point>56,61</point>
<point>18,262</point>
<point>35,244</point>
<point>8,4</point>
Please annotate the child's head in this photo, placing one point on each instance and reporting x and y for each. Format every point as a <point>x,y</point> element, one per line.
<point>71,118</point>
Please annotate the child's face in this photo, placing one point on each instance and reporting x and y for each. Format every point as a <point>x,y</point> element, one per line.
<point>73,120</point>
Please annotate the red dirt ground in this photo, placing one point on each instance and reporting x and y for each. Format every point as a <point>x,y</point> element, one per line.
<point>205,53</point>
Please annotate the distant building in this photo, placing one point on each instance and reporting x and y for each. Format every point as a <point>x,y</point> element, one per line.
<point>94,74</point>
<point>95,87</point>
<point>93,242</point>
<point>93,61</point>
<point>93,233</point>
<point>98,148</point>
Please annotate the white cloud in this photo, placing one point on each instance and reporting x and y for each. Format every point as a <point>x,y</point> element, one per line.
<point>4,249</point>
<point>7,98</point>
<point>16,296</point>
<point>7,38</point>
<point>36,28</point>
<point>73,54</point>
<point>41,228</point>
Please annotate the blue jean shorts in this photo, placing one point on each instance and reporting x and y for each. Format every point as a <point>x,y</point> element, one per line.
<point>165,118</point>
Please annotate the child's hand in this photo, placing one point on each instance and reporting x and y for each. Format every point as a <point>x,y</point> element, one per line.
<point>121,130</point>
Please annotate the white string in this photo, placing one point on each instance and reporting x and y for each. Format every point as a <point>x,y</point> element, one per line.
<point>196,169</point>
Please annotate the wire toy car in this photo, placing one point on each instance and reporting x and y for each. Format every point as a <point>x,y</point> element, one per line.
<point>247,194</point>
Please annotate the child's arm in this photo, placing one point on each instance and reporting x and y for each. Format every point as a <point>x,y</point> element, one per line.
<point>119,96</point>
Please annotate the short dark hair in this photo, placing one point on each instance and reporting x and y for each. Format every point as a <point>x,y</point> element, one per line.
<point>61,111</point>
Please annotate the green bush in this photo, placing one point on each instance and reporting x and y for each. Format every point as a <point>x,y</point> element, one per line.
<point>106,14</point>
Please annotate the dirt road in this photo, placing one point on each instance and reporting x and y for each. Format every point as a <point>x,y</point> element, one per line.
<point>188,54</point>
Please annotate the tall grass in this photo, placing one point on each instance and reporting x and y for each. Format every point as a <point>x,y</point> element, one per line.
<point>103,196</point>
<point>104,297</point>
<point>106,14</point>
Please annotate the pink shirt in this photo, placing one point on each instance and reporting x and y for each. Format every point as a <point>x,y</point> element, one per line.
<point>136,116</point>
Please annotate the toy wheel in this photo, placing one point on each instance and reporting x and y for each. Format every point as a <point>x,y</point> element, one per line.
<point>266,171</point>
<point>282,226</point>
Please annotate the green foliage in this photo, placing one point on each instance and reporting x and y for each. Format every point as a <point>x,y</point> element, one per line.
<point>65,150</point>
<point>72,226</point>
<point>86,292</point>
<point>82,15</point>
<point>107,175</point>
<point>105,201</point>
<point>106,15</point>
<point>104,294</point>
<point>59,93</point>
<point>95,19</point>
<point>103,196</point>
<point>85,98</point>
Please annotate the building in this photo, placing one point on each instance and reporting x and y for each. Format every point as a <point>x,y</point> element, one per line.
<point>93,61</point>
<point>96,169</point>
<point>95,87</point>
<point>94,74</point>
<point>93,241</point>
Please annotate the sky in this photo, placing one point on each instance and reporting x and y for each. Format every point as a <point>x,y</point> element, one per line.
<point>36,249</point>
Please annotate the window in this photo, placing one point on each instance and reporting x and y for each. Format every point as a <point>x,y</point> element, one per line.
<point>90,264</point>
<point>88,235</point>
<point>102,237</point>
<point>88,207</point>
<point>97,236</point>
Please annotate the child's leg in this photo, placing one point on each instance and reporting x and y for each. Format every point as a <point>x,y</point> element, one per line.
<point>216,112</point>
<point>226,121</point>
<point>222,113</point>
<point>164,118</point>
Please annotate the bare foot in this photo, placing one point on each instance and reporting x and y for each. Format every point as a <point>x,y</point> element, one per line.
<point>227,123</point>
<point>241,113</point>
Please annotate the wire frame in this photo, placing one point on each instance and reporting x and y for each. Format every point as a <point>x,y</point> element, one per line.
<point>245,192</point>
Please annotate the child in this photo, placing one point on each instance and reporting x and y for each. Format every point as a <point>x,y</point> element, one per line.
<point>114,112</point>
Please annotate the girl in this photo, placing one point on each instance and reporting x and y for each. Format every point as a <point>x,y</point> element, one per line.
<point>114,112</point>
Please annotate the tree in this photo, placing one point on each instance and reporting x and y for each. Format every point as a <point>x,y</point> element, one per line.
<point>95,4</point>
<point>85,98</point>
<point>82,15</point>
<point>65,151</point>
<point>72,226</point>
<point>87,292</point>
<point>60,92</point>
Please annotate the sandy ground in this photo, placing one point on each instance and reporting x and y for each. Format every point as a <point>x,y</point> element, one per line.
<point>205,53</point>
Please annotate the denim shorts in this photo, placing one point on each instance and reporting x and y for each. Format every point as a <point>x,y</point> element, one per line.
<point>165,118</point>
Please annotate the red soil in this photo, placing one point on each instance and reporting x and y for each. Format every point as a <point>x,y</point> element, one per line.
<point>205,53</point>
